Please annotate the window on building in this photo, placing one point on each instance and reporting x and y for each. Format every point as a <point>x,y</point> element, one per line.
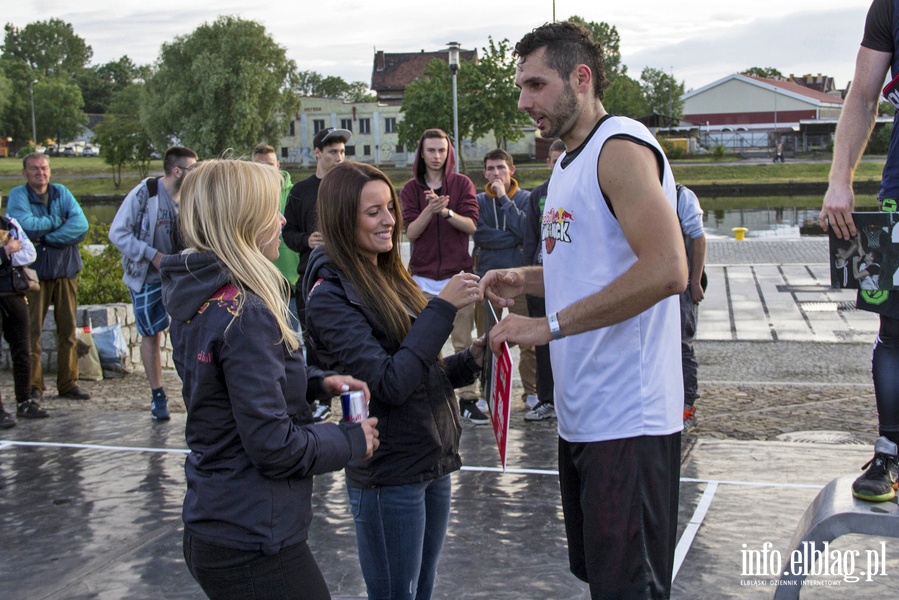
<point>284,152</point>
<point>346,124</point>
<point>365,126</point>
<point>351,150</point>
<point>317,125</point>
<point>390,125</point>
<point>293,129</point>
<point>366,150</point>
<point>400,148</point>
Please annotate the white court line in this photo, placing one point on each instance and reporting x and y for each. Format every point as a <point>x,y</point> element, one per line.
<point>98,447</point>
<point>686,540</point>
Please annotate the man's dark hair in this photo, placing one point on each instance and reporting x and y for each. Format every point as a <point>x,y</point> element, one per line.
<point>173,154</point>
<point>34,156</point>
<point>567,45</point>
<point>557,146</point>
<point>263,149</point>
<point>499,154</point>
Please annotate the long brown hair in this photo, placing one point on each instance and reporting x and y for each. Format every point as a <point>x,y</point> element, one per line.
<point>388,288</point>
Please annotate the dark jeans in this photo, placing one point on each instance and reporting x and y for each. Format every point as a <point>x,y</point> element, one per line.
<point>885,369</point>
<point>14,312</point>
<point>537,308</point>
<point>689,313</point>
<point>229,574</point>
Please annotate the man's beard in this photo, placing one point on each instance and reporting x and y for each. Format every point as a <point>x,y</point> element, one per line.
<point>561,114</point>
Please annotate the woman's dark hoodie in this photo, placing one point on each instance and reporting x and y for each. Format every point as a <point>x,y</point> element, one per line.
<point>411,391</point>
<point>253,447</point>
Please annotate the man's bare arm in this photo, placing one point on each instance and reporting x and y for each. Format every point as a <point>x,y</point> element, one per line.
<point>855,126</point>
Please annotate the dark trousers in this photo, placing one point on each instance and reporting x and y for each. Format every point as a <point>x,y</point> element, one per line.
<point>537,308</point>
<point>885,369</point>
<point>14,312</point>
<point>229,574</point>
<point>689,314</point>
<point>619,499</point>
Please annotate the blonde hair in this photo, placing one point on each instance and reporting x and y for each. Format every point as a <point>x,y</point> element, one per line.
<point>225,205</point>
<point>387,289</point>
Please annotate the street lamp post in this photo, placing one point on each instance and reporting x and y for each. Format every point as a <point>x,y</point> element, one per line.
<point>454,68</point>
<point>33,126</point>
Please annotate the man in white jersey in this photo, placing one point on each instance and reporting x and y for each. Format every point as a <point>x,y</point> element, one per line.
<point>613,265</point>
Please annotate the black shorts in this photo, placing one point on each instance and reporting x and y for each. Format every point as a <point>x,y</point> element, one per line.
<point>619,498</point>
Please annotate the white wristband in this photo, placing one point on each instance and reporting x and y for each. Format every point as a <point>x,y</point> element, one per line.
<point>554,329</point>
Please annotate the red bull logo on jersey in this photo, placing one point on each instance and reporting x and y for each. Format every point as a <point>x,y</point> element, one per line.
<point>556,222</point>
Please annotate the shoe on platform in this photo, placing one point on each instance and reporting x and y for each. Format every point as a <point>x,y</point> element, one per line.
<point>76,393</point>
<point>7,421</point>
<point>878,483</point>
<point>541,412</point>
<point>689,416</point>
<point>159,409</point>
<point>469,410</point>
<point>531,401</point>
<point>320,412</point>
<point>30,409</point>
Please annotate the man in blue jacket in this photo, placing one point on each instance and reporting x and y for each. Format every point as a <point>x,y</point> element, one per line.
<point>55,223</point>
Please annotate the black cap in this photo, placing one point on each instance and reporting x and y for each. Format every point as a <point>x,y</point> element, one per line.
<point>321,138</point>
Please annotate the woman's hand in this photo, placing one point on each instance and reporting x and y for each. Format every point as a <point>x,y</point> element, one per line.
<point>477,350</point>
<point>338,384</point>
<point>371,436</point>
<point>12,246</point>
<point>462,290</point>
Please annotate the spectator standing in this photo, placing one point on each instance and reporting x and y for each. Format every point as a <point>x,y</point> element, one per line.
<point>532,251</point>
<point>143,230</point>
<point>502,222</point>
<point>441,212</point>
<point>55,223</point>
<point>301,232</point>
<point>613,257</point>
<point>689,212</point>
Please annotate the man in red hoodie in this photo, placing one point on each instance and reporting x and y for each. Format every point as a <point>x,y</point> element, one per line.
<point>441,212</point>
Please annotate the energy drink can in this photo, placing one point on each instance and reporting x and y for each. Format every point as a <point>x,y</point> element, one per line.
<point>354,407</point>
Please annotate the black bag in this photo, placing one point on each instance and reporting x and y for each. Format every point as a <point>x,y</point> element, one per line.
<point>25,280</point>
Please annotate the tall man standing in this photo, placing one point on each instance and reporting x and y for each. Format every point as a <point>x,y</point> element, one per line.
<point>301,233</point>
<point>879,51</point>
<point>440,212</point>
<point>55,223</point>
<point>143,231</point>
<point>613,261</point>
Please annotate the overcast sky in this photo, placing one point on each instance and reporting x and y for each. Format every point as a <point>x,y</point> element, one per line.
<point>700,40</point>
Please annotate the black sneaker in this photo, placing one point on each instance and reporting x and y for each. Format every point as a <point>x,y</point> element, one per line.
<point>7,421</point>
<point>878,483</point>
<point>76,393</point>
<point>469,410</point>
<point>159,409</point>
<point>31,410</point>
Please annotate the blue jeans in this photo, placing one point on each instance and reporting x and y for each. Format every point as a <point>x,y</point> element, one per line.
<point>399,534</point>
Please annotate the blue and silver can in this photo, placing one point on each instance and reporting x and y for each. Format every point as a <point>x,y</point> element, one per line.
<point>354,406</point>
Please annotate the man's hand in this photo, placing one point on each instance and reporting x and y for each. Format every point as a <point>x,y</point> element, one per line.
<point>338,384</point>
<point>157,260</point>
<point>515,329</point>
<point>316,239</point>
<point>436,204</point>
<point>12,246</point>
<point>837,212</point>
<point>498,188</point>
<point>696,292</point>
<point>371,436</point>
<point>501,285</point>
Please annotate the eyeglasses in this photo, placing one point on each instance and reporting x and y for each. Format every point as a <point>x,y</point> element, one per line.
<point>186,169</point>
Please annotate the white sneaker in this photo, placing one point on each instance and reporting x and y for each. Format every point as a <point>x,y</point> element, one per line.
<point>531,401</point>
<point>320,412</point>
<point>543,411</point>
<point>482,404</point>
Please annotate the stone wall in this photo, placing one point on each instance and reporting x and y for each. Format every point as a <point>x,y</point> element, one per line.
<point>98,315</point>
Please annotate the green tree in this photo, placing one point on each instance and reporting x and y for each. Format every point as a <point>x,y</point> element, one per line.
<point>58,110</point>
<point>607,35</point>
<point>493,97</point>
<point>662,93</point>
<point>99,83</point>
<point>50,48</point>
<point>16,116</point>
<point>624,97</point>
<point>226,85</point>
<point>6,92</point>
<point>766,72</point>
<point>100,282</point>
<point>310,83</point>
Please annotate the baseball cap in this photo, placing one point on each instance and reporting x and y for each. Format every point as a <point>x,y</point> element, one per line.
<point>321,138</point>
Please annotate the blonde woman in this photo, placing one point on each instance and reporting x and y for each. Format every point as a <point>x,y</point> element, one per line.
<point>367,317</point>
<point>253,446</point>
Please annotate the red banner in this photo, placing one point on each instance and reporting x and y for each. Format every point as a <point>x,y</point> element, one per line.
<point>501,400</point>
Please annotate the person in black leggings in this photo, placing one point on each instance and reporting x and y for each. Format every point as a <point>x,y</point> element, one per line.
<point>17,250</point>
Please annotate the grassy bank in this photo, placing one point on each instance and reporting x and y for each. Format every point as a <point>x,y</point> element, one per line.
<point>91,176</point>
